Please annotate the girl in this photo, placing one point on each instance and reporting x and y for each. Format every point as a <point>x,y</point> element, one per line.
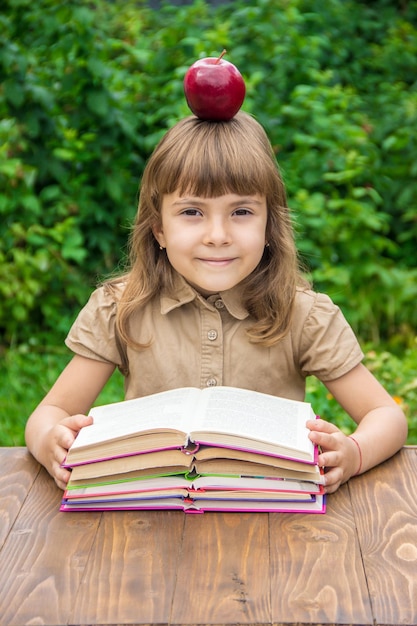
<point>214,296</point>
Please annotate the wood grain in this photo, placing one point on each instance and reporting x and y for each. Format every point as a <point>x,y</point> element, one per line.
<point>385,510</point>
<point>131,570</point>
<point>43,558</point>
<point>223,572</point>
<point>18,472</point>
<point>357,564</point>
<point>316,570</point>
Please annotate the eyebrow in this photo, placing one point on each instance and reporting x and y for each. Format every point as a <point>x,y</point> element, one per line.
<point>197,200</point>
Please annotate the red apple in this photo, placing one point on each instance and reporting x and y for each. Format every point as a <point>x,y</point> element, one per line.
<point>214,89</point>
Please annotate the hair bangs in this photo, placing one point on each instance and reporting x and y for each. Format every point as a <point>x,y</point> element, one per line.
<point>217,158</point>
<point>221,169</point>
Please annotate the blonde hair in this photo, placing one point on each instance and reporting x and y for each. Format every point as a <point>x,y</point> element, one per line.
<point>210,159</point>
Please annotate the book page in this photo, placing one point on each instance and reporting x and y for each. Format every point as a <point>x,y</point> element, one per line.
<point>161,411</point>
<point>257,416</point>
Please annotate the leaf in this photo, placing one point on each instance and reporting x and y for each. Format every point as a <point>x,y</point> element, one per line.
<point>98,102</point>
<point>14,92</point>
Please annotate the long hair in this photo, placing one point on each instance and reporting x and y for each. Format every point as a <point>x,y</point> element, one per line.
<point>211,159</point>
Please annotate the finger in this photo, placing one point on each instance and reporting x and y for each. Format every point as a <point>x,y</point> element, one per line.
<point>61,475</point>
<point>333,479</point>
<point>76,422</point>
<point>325,440</point>
<point>323,426</point>
<point>64,438</point>
<point>68,429</point>
<point>329,459</point>
<point>61,481</point>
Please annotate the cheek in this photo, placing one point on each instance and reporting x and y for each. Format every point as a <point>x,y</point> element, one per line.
<point>256,242</point>
<point>179,249</point>
<point>177,241</point>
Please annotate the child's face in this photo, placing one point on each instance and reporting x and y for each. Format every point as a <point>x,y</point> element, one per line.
<point>214,243</point>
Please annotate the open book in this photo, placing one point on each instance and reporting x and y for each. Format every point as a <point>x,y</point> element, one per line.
<point>224,417</point>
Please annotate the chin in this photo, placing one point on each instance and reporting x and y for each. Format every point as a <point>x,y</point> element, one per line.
<point>209,291</point>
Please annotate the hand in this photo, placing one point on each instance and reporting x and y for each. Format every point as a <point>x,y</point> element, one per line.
<point>339,454</point>
<point>60,439</point>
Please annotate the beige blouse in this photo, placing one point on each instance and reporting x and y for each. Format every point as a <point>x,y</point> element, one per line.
<point>198,342</point>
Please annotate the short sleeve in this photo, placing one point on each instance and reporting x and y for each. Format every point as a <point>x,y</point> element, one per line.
<point>328,347</point>
<point>93,333</point>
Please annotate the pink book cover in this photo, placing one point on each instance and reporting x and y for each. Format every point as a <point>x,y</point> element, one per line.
<point>317,506</point>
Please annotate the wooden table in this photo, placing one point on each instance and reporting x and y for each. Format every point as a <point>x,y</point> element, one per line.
<point>357,564</point>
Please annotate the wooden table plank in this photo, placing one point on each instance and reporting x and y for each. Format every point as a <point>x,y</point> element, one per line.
<point>223,573</point>
<point>131,572</point>
<point>18,471</point>
<point>43,558</point>
<point>170,568</point>
<point>385,509</point>
<point>316,570</point>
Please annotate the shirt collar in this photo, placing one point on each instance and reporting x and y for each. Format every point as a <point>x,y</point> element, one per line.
<point>183,293</point>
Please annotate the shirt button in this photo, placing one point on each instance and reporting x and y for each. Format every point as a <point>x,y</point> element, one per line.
<point>212,335</point>
<point>219,304</point>
<point>211,382</point>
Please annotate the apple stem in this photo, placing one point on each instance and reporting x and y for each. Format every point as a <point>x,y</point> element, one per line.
<point>221,56</point>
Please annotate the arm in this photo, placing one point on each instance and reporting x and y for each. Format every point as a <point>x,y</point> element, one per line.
<point>381,431</point>
<point>56,421</point>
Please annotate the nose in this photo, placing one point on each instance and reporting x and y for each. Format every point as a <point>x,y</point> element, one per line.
<point>217,232</point>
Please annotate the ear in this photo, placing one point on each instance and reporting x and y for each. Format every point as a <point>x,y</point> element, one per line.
<point>158,233</point>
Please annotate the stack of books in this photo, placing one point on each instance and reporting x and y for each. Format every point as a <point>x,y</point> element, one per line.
<point>217,449</point>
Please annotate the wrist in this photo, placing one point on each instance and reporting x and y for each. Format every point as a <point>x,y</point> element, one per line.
<point>359,450</point>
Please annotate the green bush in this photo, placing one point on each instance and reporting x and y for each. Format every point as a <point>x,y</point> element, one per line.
<point>70,159</point>
<point>397,374</point>
<point>87,89</point>
<point>27,372</point>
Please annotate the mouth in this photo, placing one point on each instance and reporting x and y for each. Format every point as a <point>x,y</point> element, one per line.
<point>214,262</point>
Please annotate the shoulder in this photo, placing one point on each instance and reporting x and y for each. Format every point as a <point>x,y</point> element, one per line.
<point>322,337</point>
<point>309,302</point>
<point>104,299</point>
<point>313,309</point>
<point>110,292</point>
<point>93,334</point>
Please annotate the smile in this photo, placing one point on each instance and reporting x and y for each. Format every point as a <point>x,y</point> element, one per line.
<point>217,262</point>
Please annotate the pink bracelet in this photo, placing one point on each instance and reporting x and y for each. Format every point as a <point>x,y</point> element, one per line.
<point>360,454</point>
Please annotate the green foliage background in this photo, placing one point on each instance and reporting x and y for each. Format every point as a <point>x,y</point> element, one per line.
<point>87,89</point>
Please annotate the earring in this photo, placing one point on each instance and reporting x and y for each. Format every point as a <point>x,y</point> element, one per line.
<point>161,248</point>
<point>267,245</point>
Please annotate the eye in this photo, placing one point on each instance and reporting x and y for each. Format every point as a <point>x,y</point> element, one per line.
<point>242,211</point>
<point>192,212</point>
